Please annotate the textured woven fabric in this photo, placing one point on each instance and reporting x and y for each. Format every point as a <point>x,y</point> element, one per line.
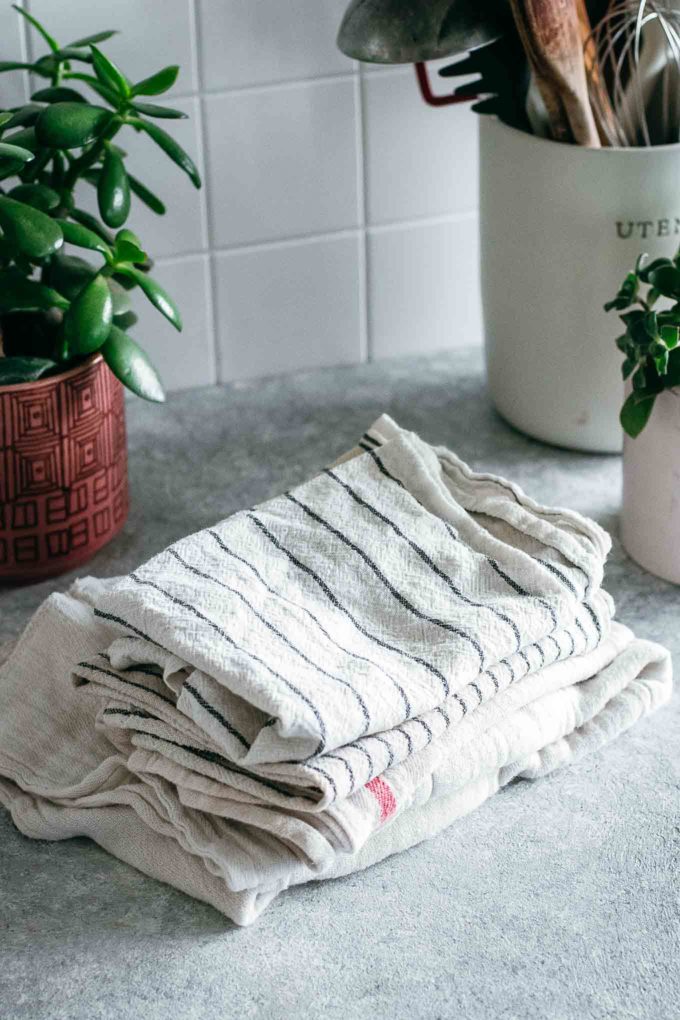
<point>322,680</point>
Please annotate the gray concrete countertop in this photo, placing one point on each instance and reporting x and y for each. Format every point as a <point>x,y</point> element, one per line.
<point>556,899</point>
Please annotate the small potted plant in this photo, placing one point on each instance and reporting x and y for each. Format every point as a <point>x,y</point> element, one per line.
<point>65,310</point>
<point>650,416</point>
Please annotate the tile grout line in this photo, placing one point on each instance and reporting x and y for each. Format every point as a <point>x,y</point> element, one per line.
<point>364,334</point>
<point>210,296</point>
<point>282,84</point>
<point>329,235</point>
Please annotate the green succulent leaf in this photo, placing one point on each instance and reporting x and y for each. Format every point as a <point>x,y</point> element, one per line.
<point>86,219</point>
<point>635,414</point>
<point>670,336</point>
<point>21,369</point>
<point>51,42</point>
<point>83,237</point>
<point>4,118</point>
<point>162,112</point>
<point>156,294</point>
<point>71,125</point>
<point>157,83</point>
<point>18,294</point>
<point>57,94</point>
<point>25,139</point>
<point>109,75</point>
<point>34,234</point>
<point>146,196</point>
<point>666,279</point>
<point>113,190</point>
<point>69,274</point>
<point>106,93</point>
<point>171,148</point>
<point>128,248</point>
<point>129,363</point>
<point>8,151</point>
<point>96,38</point>
<point>88,321</point>
<point>122,304</point>
<point>125,321</point>
<point>40,196</point>
<point>25,116</point>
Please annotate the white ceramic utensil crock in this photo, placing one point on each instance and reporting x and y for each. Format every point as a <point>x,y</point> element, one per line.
<point>560,226</point>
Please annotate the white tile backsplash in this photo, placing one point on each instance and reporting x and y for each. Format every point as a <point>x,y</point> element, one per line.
<point>423,287</point>
<point>282,162</point>
<point>289,306</point>
<point>269,41</point>
<point>420,160</point>
<point>338,217</point>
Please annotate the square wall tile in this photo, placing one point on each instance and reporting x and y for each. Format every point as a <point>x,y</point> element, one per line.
<point>282,162</point>
<point>269,41</point>
<point>421,161</point>
<point>183,227</point>
<point>13,84</point>
<point>152,33</point>
<point>289,307</point>
<point>423,288</point>
<point>183,359</point>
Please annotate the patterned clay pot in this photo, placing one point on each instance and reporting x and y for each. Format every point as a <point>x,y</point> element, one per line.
<point>63,470</point>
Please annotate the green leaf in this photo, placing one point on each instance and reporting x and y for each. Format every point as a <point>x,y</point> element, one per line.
<point>58,94</point>
<point>96,85</point>
<point>38,195</point>
<point>88,321</point>
<point>157,83</point>
<point>163,112</point>
<point>15,65</point>
<point>98,37</point>
<point>643,272</point>
<point>25,139</point>
<point>71,125</point>
<point>113,190</point>
<point>122,305</point>
<point>126,320</point>
<point>83,237</point>
<point>670,336</point>
<point>5,117</point>
<point>69,274</point>
<point>35,234</point>
<point>146,196</point>
<point>158,297</point>
<point>8,151</point>
<point>129,363</point>
<point>25,115</point>
<point>23,369</point>
<point>666,279</point>
<point>51,42</point>
<point>627,367</point>
<point>128,248</point>
<point>86,219</point>
<point>171,148</point>
<point>635,414</point>
<point>651,325</point>
<point>109,75</point>
<point>19,294</point>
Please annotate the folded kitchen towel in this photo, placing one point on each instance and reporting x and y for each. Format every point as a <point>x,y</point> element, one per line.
<point>322,680</point>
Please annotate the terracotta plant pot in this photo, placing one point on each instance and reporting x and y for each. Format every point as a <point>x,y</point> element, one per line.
<point>63,470</point>
<point>650,516</point>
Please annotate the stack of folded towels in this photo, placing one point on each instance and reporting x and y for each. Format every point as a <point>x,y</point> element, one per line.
<point>322,680</point>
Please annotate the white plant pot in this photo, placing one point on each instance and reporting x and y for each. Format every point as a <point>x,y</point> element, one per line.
<point>560,226</point>
<point>650,515</point>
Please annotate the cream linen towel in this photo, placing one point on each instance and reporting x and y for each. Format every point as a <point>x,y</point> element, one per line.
<point>320,681</point>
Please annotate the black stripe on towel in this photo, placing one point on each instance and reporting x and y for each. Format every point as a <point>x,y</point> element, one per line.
<point>401,599</point>
<point>270,626</point>
<point>426,559</point>
<point>298,606</point>
<point>124,623</point>
<point>223,634</point>
<point>558,574</point>
<point>335,602</point>
<point>125,680</point>
<point>211,710</point>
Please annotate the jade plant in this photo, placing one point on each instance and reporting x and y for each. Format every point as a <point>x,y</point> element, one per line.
<point>56,307</point>
<point>650,344</point>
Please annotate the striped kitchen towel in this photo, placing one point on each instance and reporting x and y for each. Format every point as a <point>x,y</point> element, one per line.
<point>321,680</point>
